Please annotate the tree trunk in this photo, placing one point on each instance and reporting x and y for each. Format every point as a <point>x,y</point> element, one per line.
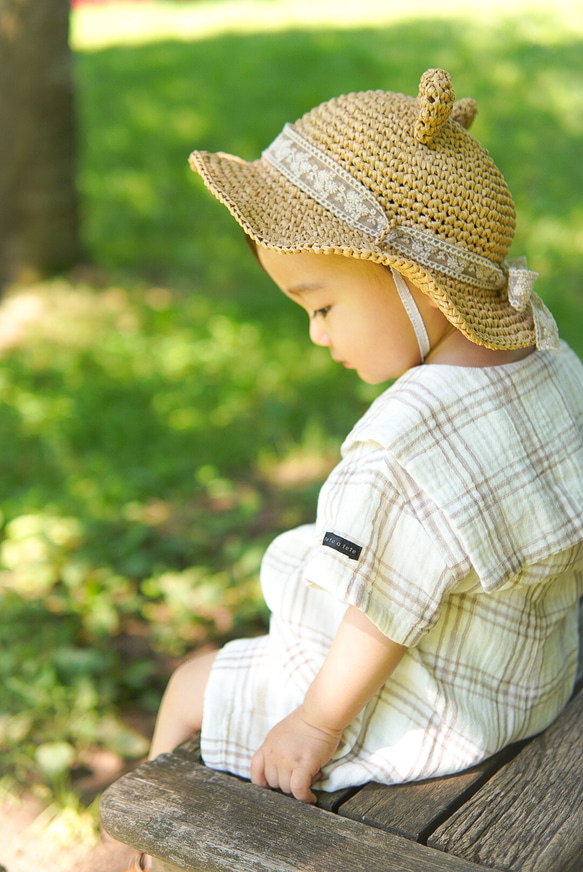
<point>39,230</point>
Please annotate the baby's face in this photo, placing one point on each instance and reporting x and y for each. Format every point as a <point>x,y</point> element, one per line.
<point>354,310</point>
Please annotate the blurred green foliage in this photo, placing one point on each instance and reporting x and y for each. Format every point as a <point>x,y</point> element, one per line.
<point>163,415</point>
<point>152,447</point>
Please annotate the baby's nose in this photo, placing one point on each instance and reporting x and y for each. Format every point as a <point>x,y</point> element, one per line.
<point>318,333</point>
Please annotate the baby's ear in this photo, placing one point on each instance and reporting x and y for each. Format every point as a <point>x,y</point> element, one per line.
<point>464,111</point>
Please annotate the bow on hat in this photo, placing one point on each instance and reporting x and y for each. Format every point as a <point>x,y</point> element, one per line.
<point>521,296</point>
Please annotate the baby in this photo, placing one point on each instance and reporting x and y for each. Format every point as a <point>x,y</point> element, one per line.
<point>429,615</point>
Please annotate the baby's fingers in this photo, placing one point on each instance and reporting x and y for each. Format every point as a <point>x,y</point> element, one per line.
<point>257,770</point>
<point>300,782</point>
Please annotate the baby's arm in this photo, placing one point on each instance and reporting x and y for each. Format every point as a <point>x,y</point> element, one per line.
<point>359,662</point>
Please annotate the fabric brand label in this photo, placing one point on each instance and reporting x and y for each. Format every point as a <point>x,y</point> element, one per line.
<point>344,546</point>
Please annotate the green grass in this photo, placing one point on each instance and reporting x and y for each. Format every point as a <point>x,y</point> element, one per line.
<point>162,413</point>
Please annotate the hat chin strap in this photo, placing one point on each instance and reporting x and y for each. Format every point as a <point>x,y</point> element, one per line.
<point>414,314</point>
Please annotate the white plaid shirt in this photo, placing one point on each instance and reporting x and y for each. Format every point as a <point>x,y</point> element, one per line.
<point>455,522</point>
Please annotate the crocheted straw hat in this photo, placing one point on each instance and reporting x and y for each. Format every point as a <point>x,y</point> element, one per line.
<point>397,180</point>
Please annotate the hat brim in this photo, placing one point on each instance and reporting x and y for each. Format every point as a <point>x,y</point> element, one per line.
<point>277,214</point>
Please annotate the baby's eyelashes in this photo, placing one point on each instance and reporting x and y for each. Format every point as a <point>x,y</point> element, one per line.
<point>323,312</point>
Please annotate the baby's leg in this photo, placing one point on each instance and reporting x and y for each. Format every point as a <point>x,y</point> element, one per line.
<point>180,716</point>
<point>180,713</point>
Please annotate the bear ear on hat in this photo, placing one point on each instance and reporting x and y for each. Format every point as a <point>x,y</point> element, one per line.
<point>435,102</point>
<point>464,111</point>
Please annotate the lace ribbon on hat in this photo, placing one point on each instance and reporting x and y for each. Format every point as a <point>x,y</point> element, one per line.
<point>333,187</point>
<point>521,296</point>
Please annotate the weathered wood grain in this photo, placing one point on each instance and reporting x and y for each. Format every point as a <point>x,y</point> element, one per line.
<point>579,679</point>
<point>529,815</point>
<point>416,809</point>
<point>328,801</point>
<point>190,748</point>
<point>198,820</point>
<point>333,801</point>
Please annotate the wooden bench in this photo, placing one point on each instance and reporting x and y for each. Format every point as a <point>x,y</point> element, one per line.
<point>521,810</point>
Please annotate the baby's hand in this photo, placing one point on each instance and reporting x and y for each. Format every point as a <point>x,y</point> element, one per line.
<point>293,755</point>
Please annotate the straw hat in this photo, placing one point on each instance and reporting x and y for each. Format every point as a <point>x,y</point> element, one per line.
<point>400,181</point>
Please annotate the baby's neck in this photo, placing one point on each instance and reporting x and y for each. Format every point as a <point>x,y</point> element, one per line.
<point>456,350</point>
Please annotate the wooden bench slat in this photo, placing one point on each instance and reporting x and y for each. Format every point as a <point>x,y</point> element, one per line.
<point>416,809</point>
<point>328,801</point>
<point>529,815</point>
<point>579,677</point>
<point>200,820</point>
<point>190,748</point>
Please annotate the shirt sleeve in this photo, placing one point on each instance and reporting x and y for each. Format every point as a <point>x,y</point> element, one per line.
<point>375,552</point>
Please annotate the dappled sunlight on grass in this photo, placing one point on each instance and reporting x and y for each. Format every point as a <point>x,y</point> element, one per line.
<point>173,377</point>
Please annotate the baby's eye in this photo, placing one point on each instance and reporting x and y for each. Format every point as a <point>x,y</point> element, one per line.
<point>322,312</point>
